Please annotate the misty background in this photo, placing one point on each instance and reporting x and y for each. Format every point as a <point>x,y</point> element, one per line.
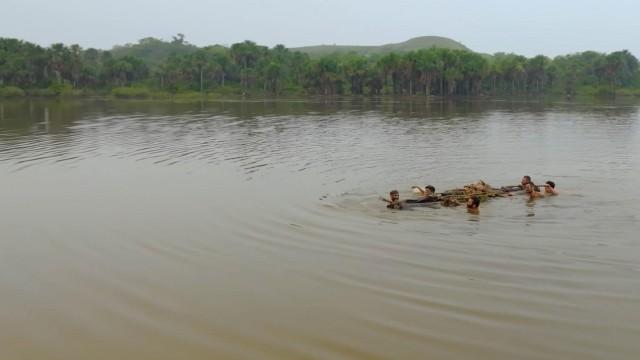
<point>528,28</point>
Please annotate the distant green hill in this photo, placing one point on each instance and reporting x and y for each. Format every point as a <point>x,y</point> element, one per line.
<point>154,51</point>
<point>423,42</point>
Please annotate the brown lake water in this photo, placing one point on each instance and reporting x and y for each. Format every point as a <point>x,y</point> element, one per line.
<point>149,230</point>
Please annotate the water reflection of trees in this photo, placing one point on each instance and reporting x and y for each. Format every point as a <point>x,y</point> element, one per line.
<point>21,115</point>
<point>260,133</point>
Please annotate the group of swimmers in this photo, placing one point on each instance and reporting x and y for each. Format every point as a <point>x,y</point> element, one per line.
<point>471,193</point>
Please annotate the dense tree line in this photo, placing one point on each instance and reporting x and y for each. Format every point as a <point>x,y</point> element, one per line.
<point>248,67</point>
<point>30,66</point>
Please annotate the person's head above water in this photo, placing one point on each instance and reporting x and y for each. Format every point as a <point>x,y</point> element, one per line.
<point>525,180</point>
<point>394,202</point>
<point>430,188</point>
<point>531,188</point>
<point>473,202</point>
<point>473,205</point>
<point>550,188</point>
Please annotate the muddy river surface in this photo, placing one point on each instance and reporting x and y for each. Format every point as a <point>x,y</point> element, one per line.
<point>245,230</point>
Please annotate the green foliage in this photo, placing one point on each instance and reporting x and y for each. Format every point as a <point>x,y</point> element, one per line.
<point>228,90</point>
<point>594,91</point>
<point>131,92</point>
<point>11,91</point>
<point>59,89</point>
<point>154,51</point>
<point>155,68</point>
<point>635,92</point>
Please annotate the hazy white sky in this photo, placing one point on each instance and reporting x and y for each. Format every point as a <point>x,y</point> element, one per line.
<point>530,27</point>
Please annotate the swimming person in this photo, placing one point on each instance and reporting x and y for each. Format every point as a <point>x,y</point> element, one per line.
<point>515,188</point>
<point>393,201</point>
<point>550,188</point>
<point>527,180</point>
<point>427,190</point>
<point>428,195</point>
<point>473,205</point>
<point>533,193</point>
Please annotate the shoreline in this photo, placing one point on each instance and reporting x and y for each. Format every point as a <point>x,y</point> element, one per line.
<point>197,97</point>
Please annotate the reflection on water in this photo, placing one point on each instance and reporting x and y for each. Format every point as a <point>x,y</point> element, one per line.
<point>150,230</point>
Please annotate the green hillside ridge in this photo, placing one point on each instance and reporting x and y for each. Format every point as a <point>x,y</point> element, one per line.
<point>422,42</point>
<point>155,51</point>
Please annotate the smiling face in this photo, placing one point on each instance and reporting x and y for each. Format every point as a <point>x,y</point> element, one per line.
<point>395,196</point>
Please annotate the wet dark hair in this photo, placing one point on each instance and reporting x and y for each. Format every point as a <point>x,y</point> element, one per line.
<point>534,187</point>
<point>476,202</point>
<point>392,192</point>
<point>527,177</point>
<point>430,187</point>
<point>551,183</point>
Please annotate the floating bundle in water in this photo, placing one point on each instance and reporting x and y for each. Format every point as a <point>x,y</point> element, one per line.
<point>480,189</point>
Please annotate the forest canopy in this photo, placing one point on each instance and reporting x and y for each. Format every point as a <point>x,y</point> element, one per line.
<point>174,66</point>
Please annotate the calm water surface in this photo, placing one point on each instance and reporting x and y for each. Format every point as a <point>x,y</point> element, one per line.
<point>135,230</point>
